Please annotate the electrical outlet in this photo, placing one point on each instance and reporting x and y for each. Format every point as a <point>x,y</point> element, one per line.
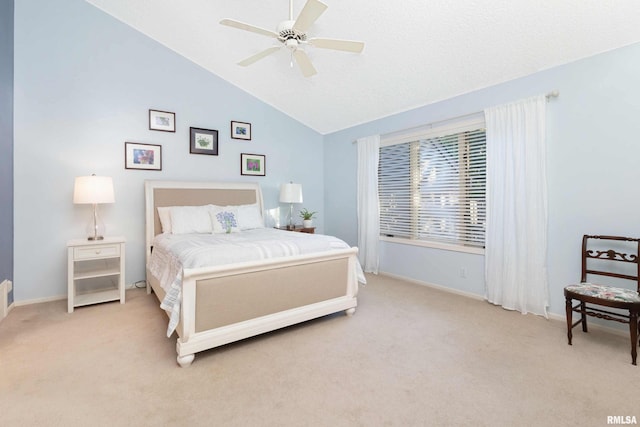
<point>463,273</point>
<point>9,286</point>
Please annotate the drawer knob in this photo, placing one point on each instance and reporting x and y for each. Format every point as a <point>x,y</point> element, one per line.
<point>98,251</point>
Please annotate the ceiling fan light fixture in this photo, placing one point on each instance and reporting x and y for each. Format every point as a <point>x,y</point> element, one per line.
<point>291,44</point>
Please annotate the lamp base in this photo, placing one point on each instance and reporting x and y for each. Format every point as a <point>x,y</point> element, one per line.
<point>291,226</point>
<point>96,226</point>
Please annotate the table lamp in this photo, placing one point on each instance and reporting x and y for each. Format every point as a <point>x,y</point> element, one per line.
<point>291,193</point>
<point>94,190</point>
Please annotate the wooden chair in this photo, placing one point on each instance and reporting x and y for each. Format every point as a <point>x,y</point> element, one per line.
<point>610,263</point>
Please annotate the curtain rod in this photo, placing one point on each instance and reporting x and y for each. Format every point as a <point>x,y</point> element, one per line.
<point>553,94</point>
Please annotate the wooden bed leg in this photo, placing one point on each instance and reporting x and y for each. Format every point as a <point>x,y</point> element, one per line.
<point>185,361</point>
<point>350,311</point>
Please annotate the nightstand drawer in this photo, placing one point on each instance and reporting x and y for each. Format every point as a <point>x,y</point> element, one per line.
<point>98,251</point>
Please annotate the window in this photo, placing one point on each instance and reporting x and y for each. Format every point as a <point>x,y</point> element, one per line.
<point>432,184</point>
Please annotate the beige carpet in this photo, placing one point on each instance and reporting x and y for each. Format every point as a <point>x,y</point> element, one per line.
<point>410,355</point>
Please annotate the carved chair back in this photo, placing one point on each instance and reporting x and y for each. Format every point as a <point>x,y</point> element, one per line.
<point>600,254</point>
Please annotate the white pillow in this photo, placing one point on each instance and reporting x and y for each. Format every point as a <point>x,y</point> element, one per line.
<point>224,219</point>
<point>249,217</point>
<point>164,213</point>
<point>190,219</point>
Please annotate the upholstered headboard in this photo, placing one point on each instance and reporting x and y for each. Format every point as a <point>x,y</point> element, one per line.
<point>194,193</point>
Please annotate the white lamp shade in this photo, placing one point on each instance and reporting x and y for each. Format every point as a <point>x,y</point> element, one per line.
<point>93,189</point>
<point>291,193</point>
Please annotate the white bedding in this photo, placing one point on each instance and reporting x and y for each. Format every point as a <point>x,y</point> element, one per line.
<point>171,253</point>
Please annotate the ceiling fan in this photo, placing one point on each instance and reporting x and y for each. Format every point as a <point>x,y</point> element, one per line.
<point>293,35</point>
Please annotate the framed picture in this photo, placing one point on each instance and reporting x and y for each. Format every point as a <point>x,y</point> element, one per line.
<point>241,130</point>
<point>142,156</point>
<point>162,120</point>
<point>252,164</point>
<point>203,141</point>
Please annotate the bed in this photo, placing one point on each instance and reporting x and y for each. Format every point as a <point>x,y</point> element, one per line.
<point>220,304</point>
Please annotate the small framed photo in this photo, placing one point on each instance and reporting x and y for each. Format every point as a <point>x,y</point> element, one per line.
<point>203,141</point>
<point>241,130</point>
<point>252,164</point>
<point>142,156</point>
<point>162,120</point>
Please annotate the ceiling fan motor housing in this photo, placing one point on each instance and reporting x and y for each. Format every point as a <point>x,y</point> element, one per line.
<point>289,36</point>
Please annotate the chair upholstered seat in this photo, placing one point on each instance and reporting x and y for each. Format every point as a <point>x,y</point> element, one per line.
<point>605,292</point>
<point>607,257</point>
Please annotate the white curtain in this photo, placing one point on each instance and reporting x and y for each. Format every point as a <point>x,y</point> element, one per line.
<point>368,206</point>
<point>516,237</point>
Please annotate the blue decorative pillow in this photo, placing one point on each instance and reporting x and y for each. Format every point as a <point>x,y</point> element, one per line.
<point>225,220</point>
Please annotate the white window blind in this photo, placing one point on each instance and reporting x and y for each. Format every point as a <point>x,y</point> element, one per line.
<point>432,183</point>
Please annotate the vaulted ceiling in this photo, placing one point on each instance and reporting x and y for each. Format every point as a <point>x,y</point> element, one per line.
<point>417,52</point>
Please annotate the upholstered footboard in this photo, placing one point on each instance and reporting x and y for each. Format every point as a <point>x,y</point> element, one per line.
<point>225,304</point>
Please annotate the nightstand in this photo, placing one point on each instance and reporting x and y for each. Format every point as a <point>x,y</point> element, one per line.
<point>95,271</point>
<point>299,229</point>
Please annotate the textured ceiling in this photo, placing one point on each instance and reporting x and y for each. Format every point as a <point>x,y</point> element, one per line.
<point>417,51</point>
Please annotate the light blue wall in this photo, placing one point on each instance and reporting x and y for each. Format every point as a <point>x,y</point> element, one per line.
<point>592,168</point>
<point>6,141</point>
<point>84,83</point>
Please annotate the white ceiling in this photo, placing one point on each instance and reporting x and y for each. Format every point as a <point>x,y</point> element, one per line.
<point>417,52</point>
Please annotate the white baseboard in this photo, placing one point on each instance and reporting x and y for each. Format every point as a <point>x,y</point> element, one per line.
<point>39,300</point>
<point>431,285</point>
<point>552,316</point>
<point>5,288</point>
<point>11,306</point>
<point>57,298</point>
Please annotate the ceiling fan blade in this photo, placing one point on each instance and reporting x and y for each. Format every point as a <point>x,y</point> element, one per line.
<point>335,44</point>
<point>310,12</point>
<point>304,63</point>
<point>248,27</point>
<point>258,56</point>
